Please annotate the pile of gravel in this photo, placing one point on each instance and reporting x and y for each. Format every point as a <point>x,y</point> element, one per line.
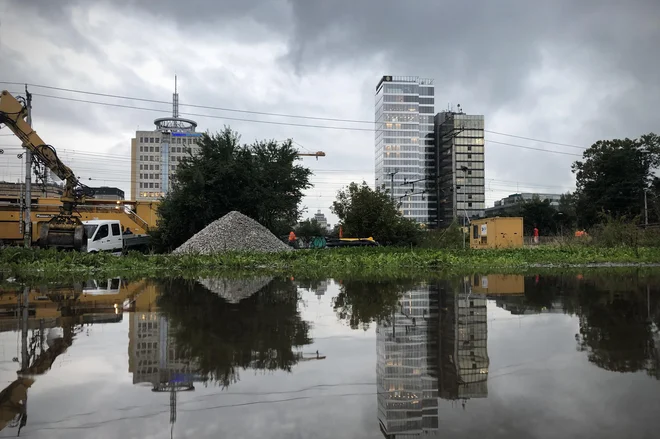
<point>233,232</point>
<point>235,290</point>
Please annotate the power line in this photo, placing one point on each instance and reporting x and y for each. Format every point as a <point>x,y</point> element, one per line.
<point>275,123</point>
<point>264,113</point>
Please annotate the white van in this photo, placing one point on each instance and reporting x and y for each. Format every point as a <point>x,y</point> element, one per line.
<point>104,236</point>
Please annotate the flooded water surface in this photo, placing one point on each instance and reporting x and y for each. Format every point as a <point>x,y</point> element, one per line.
<point>479,356</point>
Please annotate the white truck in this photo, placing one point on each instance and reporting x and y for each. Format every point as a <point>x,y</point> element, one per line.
<point>108,236</point>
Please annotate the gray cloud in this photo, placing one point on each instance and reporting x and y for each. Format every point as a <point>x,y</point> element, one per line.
<point>562,71</point>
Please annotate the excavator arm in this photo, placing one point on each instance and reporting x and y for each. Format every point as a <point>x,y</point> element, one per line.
<point>64,230</point>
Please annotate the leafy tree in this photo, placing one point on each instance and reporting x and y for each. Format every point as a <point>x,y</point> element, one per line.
<point>566,212</point>
<point>613,176</point>
<point>261,180</point>
<point>309,229</point>
<point>365,212</point>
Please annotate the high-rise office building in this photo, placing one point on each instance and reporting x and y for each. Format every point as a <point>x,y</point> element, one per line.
<point>459,163</point>
<point>156,154</point>
<point>404,144</point>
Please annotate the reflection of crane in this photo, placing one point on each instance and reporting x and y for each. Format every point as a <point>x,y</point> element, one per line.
<point>64,230</point>
<point>316,154</point>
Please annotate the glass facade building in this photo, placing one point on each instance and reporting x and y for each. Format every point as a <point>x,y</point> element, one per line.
<point>460,189</point>
<point>404,145</point>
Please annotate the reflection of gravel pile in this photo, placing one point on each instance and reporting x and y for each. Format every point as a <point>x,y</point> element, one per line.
<point>235,290</point>
<point>233,232</point>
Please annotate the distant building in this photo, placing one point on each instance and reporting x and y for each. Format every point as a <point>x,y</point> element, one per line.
<point>50,190</point>
<point>108,193</point>
<point>508,204</point>
<point>155,155</point>
<point>459,192</point>
<point>321,219</point>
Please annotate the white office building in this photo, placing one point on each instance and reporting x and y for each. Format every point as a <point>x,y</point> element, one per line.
<point>156,154</point>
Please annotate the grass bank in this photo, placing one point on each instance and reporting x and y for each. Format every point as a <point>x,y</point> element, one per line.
<point>351,262</point>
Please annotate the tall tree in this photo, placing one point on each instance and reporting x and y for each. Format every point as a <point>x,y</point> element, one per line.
<point>365,212</point>
<point>262,180</point>
<point>613,176</point>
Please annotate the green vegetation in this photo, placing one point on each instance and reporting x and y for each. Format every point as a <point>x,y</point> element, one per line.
<point>364,212</point>
<point>309,228</point>
<point>261,180</point>
<point>350,262</point>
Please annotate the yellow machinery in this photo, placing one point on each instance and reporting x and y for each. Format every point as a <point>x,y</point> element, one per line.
<point>498,284</point>
<point>498,232</point>
<point>64,230</point>
<point>139,216</point>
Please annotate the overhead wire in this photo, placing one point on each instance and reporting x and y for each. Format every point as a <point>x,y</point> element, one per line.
<point>264,113</point>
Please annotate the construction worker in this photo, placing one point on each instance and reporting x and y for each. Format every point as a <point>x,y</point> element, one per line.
<point>292,239</point>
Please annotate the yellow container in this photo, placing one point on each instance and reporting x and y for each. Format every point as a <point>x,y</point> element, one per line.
<point>498,232</point>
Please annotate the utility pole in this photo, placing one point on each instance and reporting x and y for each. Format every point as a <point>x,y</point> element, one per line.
<point>27,231</point>
<point>392,174</point>
<point>646,210</point>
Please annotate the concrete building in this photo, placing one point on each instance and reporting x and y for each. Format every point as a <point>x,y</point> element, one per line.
<point>50,190</point>
<point>321,219</point>
<point>460,165</point>
<point>108,193</point>
<point>404,145</point>
<point>509,204</point>
<point>156,154</point>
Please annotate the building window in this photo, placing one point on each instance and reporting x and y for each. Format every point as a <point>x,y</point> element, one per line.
<point>141,185</point>
<point>469,172</point>
<point>469,156</point>
<point>157,140</point>
<point>151,158</point>
<point>151,167</point>
<point>151,149</point>
<point>140,167</point>
<point>173,167</point>
<point>178,140</point>
<point>157,167</point>
<point>470,204</point>
<point>156,186</point>
<point>141,140</point>
<point>158,149</point>
<point>141,149</point>
<point>151,140</point>
<point>151,185</point>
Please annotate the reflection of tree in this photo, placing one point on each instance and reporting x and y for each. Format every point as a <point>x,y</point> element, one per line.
<point>361,302</point>
<point>258,332</point>
<point>615,330</point>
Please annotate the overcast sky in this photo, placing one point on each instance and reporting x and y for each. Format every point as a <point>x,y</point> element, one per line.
<point>559,71</point>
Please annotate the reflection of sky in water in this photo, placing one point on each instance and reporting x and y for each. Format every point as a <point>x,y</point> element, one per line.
<point>539,386</point>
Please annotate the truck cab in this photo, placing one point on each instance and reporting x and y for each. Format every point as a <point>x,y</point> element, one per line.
<point>104,236</point>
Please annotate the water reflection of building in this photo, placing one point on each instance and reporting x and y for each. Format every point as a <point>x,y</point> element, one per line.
<point>433,347</point>
<point>153,356</point>
<point>407,391</point>
<point>463,343</point>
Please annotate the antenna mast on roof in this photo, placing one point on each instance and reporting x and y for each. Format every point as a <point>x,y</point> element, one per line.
<point>175,101</point>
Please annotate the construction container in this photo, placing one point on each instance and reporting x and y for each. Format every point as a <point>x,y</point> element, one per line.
<point>498,232</point>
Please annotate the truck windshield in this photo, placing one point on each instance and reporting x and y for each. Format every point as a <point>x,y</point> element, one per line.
<point>90,229</point>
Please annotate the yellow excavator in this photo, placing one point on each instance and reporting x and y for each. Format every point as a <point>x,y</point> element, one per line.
<point>64,230</point>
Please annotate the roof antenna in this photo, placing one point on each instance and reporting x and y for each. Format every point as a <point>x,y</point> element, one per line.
<point>175,100</point>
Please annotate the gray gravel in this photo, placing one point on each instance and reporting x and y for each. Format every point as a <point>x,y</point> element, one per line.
<point>233,232</point>
<point>235,290</point>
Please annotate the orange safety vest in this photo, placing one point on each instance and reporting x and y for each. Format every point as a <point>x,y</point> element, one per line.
<point>292,236</point>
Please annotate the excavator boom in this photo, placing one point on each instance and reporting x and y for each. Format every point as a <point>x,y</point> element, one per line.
<point>64,230</point>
